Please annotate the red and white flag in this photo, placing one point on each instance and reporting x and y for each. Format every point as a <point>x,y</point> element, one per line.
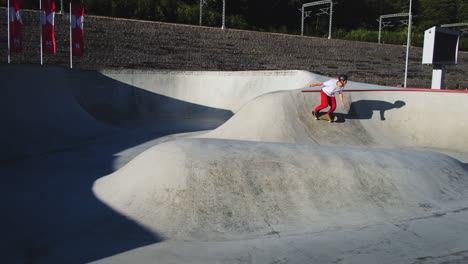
<point>16,21</point>
<point>48,26</point>
<point>77,21</point>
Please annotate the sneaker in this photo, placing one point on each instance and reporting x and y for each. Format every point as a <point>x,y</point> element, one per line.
<point>315,114</point>
<point>332,118</point>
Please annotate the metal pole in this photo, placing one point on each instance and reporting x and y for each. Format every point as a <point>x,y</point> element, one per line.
<point>438,76</point>
<point>331,19</point>
<point>302,21</point>
<point>71,43</point>
<point>380,28</point>
<point>8,22</point>
<point>408,43</point>
<point>224,15</point>
<point>40,27</point>
<point>201,11</point>
<point>61,7</point>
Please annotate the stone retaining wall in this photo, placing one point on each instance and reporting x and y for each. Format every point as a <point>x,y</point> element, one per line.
<point>121,43</point>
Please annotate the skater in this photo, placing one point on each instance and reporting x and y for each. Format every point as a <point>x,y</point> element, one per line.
<point>331,87</point>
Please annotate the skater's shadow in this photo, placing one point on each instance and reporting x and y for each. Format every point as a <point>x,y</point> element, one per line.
<point>364,109</point>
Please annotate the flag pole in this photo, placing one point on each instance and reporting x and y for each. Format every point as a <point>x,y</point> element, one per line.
<point>40,26</point>
<point>71,48</point>
<point>8,22</point>
<point>408,43</point>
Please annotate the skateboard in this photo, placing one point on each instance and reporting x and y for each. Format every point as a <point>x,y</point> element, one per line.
<point>324,116</point>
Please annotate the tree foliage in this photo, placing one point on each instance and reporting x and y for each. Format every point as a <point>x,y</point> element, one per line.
<point>437,12</point>
<point>349,17</point>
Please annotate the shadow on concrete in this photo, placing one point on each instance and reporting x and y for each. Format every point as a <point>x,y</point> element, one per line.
<point>123,105</point>
<point>364,109</point>
<point>64,136</point>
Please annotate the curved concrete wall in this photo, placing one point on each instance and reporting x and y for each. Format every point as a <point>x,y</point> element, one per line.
<point>54,107</point>
<point>396,119</point>
<point>224,90</point>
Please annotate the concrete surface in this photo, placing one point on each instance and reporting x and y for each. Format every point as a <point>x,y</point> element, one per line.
<point>390,119</point>
<point>227,167</point>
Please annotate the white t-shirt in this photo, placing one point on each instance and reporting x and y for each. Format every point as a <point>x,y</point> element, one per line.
<point>330,87</point>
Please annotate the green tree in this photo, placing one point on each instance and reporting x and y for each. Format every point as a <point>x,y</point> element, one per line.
<point>462,11</point>
<point>436,12</point>
<point>187,14</point>
<point>237,21</point>
<point>145,9</point>
<point>354,17</point>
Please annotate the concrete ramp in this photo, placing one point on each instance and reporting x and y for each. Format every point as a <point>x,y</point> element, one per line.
<point>356,167</point>
<point>212,189</point>
<point>40,112</point>
<point>273,172</point>
<point>102,167</point>
<point>409,119</point>
<point>50,108</point>
<point>222,90</point>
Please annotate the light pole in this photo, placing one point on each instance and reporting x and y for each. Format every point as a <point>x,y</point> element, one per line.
<point>40,27</point>
<point>224,15</point>
<point>201,11</point>
<point>330,20</point>
<point>8,23</point>
<point>408,42</point>
<point>314,4</point>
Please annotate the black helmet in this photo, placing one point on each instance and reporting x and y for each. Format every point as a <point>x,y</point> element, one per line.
<point>343,77</point>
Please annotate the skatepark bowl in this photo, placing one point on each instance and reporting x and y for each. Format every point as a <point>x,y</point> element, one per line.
<point>128,166</point>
